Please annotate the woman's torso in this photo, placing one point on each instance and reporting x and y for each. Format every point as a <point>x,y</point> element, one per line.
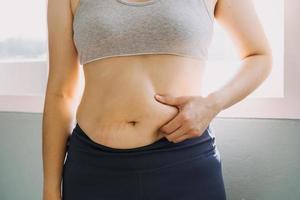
<point>118,108</point>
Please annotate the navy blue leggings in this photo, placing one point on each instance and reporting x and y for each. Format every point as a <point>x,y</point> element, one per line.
<point>163,170</point>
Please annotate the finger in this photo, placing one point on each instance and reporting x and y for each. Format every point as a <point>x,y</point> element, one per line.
<point>171,100</point>
<point>181,138</point>
<point>172,125</point>
<point>178,133</point>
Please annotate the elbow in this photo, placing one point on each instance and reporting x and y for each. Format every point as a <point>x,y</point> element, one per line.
<point>264,56</point>
<point>262,59</point>
<point>268,60</point>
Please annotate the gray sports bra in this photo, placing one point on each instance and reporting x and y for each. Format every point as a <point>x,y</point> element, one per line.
<point>107,28</point>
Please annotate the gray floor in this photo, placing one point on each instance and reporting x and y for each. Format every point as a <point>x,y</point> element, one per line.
<point>260,157</point>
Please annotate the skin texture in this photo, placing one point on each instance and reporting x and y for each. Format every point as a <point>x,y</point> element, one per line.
<point>118,107</point>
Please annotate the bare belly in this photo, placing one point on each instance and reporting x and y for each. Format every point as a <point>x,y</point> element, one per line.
<point>118,108</point>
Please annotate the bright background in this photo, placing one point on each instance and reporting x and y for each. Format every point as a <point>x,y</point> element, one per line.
<point>24,70</point>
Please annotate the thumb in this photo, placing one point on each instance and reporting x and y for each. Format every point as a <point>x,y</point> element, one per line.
<point>171,100</point>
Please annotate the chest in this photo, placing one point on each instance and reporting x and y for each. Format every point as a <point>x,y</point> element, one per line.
<point>178,19</point>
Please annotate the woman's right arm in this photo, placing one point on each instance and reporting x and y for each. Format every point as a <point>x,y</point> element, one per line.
<point>61,93</point>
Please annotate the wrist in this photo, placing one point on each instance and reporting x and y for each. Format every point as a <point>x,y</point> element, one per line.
<point>51,190</point>
<point>54,194</point>
<point>216,101</point>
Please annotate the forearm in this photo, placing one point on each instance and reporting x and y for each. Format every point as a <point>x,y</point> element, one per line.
<point>57,124</point>
<point>253,71</point>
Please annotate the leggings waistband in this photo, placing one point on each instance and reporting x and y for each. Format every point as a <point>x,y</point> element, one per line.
<point>84,151</point>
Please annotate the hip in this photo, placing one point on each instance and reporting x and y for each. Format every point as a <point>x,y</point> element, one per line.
<point>81,149</point>
<point>190,169</point>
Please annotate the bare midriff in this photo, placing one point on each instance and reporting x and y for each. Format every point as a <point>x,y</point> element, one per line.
<point>118,108</point>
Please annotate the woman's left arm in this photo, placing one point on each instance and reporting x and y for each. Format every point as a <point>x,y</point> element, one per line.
<point>240,20</point>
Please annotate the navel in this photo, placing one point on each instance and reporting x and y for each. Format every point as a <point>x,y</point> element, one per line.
<point>133,123</point>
